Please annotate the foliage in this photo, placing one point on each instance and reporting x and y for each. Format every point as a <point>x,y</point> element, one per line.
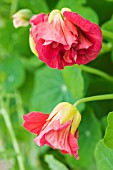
<point>108,138</point>
<point>27,84</point>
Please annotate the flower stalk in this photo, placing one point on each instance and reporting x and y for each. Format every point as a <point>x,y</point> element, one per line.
<point>95,72</point>
<point>94,98</point>
<point>8,123</point>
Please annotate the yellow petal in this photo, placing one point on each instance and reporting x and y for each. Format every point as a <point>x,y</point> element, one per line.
<point>65,9</point>
<point>59,107</point>
<point>32,45</point>
<point>67,113</point>
<point>76,122</point>
<point>53,14</point>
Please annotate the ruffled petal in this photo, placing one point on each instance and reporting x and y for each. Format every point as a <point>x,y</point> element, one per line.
<point>73,143</point>
<point>51,32</point>
<point>34,121</point>
<point>84,43</point>
<point>91,32</point>
<point>47,130</point>
<point>84,24</point>
<point>58,139</point>
<point>38,18</point>
<point>48,54</point>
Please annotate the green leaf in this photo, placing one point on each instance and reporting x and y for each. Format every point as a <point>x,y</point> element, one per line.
<point>53,86</point>
<point>108,138</point>
<point>85,12</point>
<point>89,135</point>
<point>106,47</point>
<point>54,164</point>
<point>70,4</point>
<point>103,157</point>
<point>36,6</point>
<point>14,72</point>
<point>74,80</point>
<point>108,25</point>
<point>49,90</point>
<point>32,63</point>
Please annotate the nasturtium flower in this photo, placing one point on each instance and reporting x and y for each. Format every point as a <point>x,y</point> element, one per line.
<point>64,38</point>
<point>21,18</point>
<point>59,129</point>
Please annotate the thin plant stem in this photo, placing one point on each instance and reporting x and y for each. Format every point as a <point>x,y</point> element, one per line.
<point>94,98</point>
<point>8,123</point>
<point>19,106</point>
<point>107,34</point>
<point>96,72</point>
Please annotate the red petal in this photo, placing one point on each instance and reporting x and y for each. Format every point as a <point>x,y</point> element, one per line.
<point>84,24</point>
<point>48,128</point>
<point>91,31</point>
<point>73,143</point>
<point>52,32</point>
<point>84,43</point>
<point>38,18</point>
<point>34,121</point>
<point>58,139</point>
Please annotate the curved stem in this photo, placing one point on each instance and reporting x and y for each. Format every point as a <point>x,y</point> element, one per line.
<point>107,34</point>
<point>7,120</point>
<point>94,98</point>
<point>96,72</point>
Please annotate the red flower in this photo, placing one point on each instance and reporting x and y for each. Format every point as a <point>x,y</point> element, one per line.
<point>58,130</point>
<point>64,38</point>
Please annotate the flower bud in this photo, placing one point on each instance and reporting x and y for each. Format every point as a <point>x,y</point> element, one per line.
<point>32,46</point>
<point>21,18</point>
<point>66,112</point>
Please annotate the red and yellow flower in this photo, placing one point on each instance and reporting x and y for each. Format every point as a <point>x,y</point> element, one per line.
<point>59,129</point>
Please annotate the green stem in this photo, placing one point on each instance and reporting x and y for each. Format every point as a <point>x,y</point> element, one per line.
<point>19,106</point>
<point>107,34</point>
<point>94,98</point>
<point>13,7</point>
<point>13,137</point>
<point>95,72</point>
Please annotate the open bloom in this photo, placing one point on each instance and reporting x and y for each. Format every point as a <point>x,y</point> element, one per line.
<point>59,129</point>
<point>64,38</point>
<point>21,18</point>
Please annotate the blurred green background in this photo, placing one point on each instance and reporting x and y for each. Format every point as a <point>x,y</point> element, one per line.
<point>27,84</point>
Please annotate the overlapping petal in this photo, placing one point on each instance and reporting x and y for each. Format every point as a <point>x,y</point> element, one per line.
<point>68,39</point>
<point>55,129</point>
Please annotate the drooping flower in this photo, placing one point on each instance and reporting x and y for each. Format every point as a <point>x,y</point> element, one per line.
<point>21,18</point>
<point>59,129</point>
<point>64,38</point>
